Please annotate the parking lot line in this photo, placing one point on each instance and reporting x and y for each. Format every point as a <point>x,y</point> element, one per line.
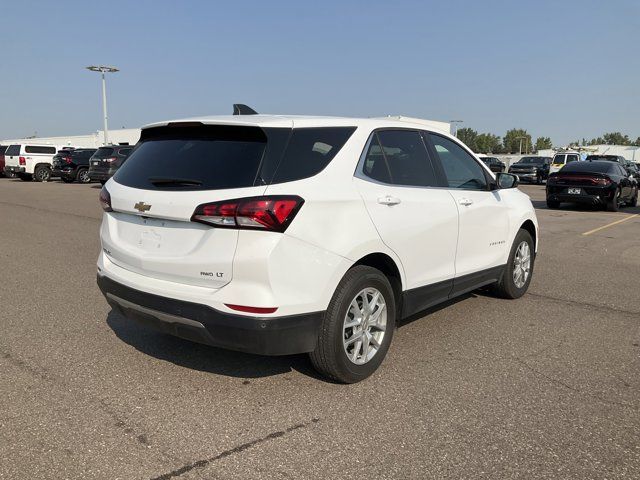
<point>609,225</point>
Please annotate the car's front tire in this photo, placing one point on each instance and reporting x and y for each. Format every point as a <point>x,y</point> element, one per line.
<point>357,328</point>
<point>519,269</point>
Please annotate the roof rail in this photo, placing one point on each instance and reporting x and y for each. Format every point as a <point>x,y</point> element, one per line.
<point>242,109</point>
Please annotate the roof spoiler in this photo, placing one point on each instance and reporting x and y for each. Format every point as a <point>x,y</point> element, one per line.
<point>242,109</point>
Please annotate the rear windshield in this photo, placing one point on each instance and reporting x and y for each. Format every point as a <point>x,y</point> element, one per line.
<point>607,158</point>
<point>13,150</point>
<point>221,157</point>
<point>103,152</point>
<point>596,167</point>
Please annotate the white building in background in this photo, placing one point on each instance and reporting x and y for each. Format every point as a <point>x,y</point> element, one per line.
<point>124,136</point>
<point>630,153</point>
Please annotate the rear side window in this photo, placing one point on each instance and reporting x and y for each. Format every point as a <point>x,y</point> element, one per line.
<point>399,157</point>
<point>460,168</point>
<point>572,158</point>
<point>40,149</point>
<point>558,159</point>
<point>12,150</point>
<point>309,151</point>
<point>125,151</point>
<point>195,158</point>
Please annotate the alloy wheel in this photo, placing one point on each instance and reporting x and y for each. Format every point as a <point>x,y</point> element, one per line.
<point>364,327</point>
<point>521,264</point>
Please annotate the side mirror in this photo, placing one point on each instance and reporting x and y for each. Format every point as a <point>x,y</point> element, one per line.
<point>506,180</point>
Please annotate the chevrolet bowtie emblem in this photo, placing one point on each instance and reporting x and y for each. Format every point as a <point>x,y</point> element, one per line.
<point>142,207</point>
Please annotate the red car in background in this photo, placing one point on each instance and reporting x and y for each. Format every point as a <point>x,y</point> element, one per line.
<point>3,148</point>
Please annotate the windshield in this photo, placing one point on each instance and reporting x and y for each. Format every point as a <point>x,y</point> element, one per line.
<point>532,160</point>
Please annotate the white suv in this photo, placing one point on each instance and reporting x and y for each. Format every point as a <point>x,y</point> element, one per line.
<point>279,235</point>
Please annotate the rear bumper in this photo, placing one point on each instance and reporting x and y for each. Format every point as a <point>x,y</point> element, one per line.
<point>101,174</point>
<point>12,169</point>
<point>203,324</point>
<point>592,196</point>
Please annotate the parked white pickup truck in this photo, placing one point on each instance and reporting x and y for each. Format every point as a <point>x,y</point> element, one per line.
<point>30,161</point>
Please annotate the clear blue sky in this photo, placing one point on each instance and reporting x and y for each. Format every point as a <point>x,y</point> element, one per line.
<point>564,69</point>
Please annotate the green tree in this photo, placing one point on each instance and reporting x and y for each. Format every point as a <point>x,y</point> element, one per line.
<point>487,143</point>
<point>616,138</point>
<point>636,143</point>
<point>543,143</point>
<point>513,139</point>
<point>468,136</point>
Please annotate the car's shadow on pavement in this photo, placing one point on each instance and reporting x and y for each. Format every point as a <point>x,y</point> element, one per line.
<point>203,357</point>
<point>569,207</point>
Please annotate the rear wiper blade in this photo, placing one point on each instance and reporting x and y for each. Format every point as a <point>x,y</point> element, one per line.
<point>174,181</point>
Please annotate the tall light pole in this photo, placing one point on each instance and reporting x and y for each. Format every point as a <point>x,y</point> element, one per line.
<point>522,138</point>
<point>104,69</point>
<point>455,126</point>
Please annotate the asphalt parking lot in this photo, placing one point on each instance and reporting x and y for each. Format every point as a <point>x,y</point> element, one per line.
<point>543,387</point>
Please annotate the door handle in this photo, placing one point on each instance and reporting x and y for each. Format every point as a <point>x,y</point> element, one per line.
<point>465,201</point>
<point>388,200</point>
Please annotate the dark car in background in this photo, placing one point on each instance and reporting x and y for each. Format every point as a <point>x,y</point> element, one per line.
<point>72,165</point>
<point>3,148</point>
<point>532,168</point>
<point>106,161</point>
<point>494,164</point>
<point>602,183</point>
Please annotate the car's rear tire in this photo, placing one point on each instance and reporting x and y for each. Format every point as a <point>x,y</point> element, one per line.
<point>521,259</point>
<point>83,176</point>
<point>349,324</point>
<point>613,205</point>
<point>553,204</point>
<point>42,173</point>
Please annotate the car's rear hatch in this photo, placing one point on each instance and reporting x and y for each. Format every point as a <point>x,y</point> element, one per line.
<point>155,193</point>
<point>12,156</point>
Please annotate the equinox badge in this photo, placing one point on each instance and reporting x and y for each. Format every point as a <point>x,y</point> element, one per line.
<point>142,207</point>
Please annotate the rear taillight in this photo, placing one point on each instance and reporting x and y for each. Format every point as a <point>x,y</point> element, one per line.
<point>272,213</point>
<point>111,159</point>
<point>67,159</point>
<point>22,160</point>
<point>105,200</point>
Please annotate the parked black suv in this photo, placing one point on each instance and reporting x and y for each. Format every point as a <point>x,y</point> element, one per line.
<point>494,164</point>
<point>106,161</point>
<point>72,165</point>
<point>532,168</point>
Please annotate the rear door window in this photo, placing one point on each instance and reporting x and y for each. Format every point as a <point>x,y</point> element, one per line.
<point>559,159</point>
<point>572,158</point>
<point>399,157</point>
<point>460,168</point>
<point>309,151</point>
